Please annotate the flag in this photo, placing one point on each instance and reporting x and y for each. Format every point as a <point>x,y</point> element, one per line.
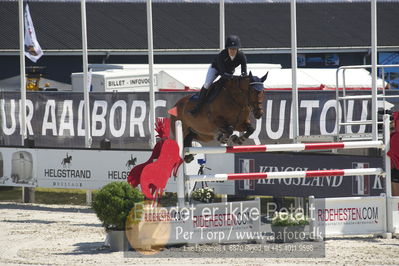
<point>33,51</point>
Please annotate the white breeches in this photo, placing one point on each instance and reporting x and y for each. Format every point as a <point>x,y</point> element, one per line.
<point>210,77</point>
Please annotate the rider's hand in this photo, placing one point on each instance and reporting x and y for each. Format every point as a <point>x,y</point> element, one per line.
<point>227,75</point>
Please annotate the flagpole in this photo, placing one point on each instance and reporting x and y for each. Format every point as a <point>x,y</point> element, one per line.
<point>85,74</point>
<point>221,24</point>
<point>22,69</point>
<point>374,62</point>
<point>151,73</point>
<point>294,66</point>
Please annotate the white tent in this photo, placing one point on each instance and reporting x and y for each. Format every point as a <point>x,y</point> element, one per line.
<point>193,75</point>
<point>319,78</point>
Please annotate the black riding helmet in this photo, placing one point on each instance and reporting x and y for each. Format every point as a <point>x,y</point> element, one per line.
<point>233,41</point>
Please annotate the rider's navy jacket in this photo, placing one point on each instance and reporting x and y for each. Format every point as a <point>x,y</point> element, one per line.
<point>223,63</point>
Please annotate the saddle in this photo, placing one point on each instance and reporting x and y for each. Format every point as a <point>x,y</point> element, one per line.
<point>212,93</point>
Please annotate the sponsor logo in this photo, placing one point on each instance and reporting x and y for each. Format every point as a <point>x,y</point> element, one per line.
<point>348,214</point>
<point>247,166</point>
<point>66,162</point>
<point>328,181</point>
<point>131,162</point>
<point>122,175</point>
<point>360,183</point>
<point>65,172</point>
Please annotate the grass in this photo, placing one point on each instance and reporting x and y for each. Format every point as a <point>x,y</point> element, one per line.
<point>63,196</point>
<point>46,195</point>
<point>78,197</point>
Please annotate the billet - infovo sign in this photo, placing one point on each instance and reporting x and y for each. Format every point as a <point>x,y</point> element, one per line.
<point>349,216</point>
<point>115,83</point>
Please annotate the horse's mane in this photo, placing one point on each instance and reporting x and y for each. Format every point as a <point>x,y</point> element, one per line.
<point>220,82</point>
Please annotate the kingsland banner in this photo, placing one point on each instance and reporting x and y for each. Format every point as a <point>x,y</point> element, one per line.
<point>320,187</point>
<point>55,119</point>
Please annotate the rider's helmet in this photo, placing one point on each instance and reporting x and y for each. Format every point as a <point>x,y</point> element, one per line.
<point>233,41</point>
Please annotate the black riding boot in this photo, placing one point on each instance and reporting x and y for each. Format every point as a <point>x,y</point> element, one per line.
<point>201,101</point>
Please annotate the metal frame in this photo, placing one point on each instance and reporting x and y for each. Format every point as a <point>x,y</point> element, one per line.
<point>374,121</point>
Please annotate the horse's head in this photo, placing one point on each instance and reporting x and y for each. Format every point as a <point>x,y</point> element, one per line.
<point>256,94</point>
<point>248,91</point>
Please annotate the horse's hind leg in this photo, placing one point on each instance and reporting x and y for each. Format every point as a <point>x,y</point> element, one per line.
<point>187,142</point>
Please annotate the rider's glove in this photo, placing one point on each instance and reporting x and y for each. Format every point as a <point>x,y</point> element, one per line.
<point>226,75</point>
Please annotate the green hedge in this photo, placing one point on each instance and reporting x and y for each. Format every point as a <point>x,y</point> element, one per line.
<point>113,202</point>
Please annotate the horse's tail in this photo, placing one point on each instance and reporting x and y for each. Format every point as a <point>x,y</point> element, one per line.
<point>172,127</point>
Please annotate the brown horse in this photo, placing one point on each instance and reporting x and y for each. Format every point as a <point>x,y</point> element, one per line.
<point>229,111</point>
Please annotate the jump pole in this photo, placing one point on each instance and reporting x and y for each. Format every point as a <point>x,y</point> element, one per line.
<point>288,174</point>
<point>286,147</point>
<point>181,195</point>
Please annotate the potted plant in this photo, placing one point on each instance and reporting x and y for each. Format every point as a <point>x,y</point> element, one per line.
<point>289,227</point>
<point>112,204</point>
<point>203,195</point>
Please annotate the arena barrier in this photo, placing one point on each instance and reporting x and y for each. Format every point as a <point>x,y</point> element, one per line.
<point>386,208</point>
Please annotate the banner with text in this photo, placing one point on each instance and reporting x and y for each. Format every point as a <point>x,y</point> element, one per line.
<point>350,216</point>
<point>55,119</point>
<point>330,186</point>
<point>89,168</point>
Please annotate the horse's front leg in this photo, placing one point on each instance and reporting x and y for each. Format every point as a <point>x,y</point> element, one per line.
<point>187,142</point>
<point>225,134</point>
<point>249,129</point>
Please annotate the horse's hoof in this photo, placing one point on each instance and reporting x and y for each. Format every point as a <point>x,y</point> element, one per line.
<point>242,139</point>
<point>224,140</point>
<point>236,139</point>
<point>189,158</point>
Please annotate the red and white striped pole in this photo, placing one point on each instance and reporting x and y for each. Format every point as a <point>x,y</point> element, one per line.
<point>286,147</point>
<point>289,174</point>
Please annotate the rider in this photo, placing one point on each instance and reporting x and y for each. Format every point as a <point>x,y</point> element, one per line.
<point>224,64</point>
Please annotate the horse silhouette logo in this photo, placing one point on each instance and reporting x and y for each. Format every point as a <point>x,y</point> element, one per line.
<point>67,160</point>
<point>131,162</point>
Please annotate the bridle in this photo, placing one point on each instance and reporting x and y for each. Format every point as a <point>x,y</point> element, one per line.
<point>256,106</point>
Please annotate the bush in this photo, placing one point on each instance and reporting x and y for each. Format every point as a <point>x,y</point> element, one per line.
<point>113,202</point>
<point>289,219</point>
<point>203,194</point>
